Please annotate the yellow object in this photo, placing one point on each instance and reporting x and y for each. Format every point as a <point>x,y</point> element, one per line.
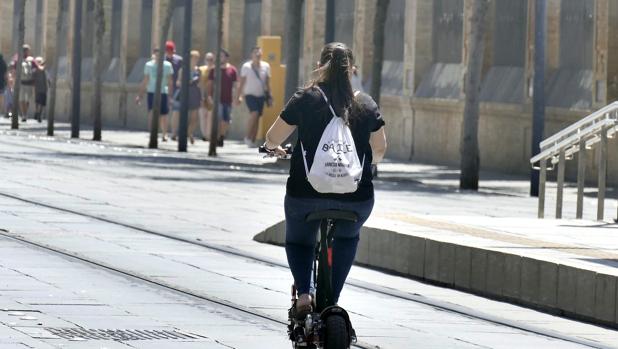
<point>204,84</point>
<point>271,53</point>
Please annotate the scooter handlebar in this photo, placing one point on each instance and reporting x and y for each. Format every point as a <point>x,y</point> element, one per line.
<point>288,150</point>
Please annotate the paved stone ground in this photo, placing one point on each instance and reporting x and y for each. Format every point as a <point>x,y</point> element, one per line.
<point>40,292</point>
<point>228,199</point>
<point>380,320</point>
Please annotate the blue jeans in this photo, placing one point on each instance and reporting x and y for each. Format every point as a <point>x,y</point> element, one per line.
<point>301,238</point>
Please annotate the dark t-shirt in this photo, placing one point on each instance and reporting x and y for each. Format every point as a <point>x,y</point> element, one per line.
<point>176,62</point>
<point>310,113</point>
<point>229,76</point>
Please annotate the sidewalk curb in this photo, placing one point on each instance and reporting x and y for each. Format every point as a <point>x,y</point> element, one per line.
<point>546,286</point>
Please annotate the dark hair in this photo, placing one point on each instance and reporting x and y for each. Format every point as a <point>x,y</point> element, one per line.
<point>336,61</point>
<point>256,48</point>
<point>225,53</point>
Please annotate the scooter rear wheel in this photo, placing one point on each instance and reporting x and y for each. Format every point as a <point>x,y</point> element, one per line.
<point>337,336</point>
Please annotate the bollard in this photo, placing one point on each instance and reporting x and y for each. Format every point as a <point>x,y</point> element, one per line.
<point>542,180</point>
<point>602,174</point>
<point>560,187</point>
<point>581,178</point>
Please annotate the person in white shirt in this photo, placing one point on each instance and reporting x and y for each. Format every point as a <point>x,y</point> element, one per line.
<point>255,90</point>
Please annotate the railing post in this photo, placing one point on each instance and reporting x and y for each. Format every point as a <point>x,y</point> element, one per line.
<point>560,186</point>
<point>581,178</point>
<point>602,174</point>
<point>542,180</point>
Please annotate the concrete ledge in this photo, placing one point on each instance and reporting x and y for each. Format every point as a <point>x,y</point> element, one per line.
<point>548,286</point>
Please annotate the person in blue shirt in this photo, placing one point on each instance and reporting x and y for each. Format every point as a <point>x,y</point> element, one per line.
<point>149,84</point>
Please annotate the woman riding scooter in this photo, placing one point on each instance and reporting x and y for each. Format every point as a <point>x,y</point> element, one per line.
<point>310,110</point>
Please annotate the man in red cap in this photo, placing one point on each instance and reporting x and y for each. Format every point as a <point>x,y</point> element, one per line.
<point>176,61</point>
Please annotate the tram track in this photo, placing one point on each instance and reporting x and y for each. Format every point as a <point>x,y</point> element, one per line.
<point>366,286</point>
<point>216,165</point>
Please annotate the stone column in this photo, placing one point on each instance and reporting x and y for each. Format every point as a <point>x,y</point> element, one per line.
<point>409,48</point>
<point>130,37</point>
<point>273,17</point>
<point>69,38</point>
<point>198,31</point>
<point>552,50</point>
<point>233,14</point>
<point>49,41</point>
<point>315,23</point>
<point>612,53</point>
<point>363,29</point>
<point>158,11</point>
<point>6,34</point>
<point>599,62</point>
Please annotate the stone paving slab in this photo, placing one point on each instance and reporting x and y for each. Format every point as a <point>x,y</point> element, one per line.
<point>24,321</point>
<point>385,321</point>
<point>422,192</point>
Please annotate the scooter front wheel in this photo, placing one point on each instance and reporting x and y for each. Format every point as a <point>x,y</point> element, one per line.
<point>337,336</point>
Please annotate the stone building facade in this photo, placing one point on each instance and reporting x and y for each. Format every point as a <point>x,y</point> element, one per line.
<point>425,52</point>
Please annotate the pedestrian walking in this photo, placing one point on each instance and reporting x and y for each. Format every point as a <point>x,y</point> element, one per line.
<point>176,61</point>
<point>41,84</point>
<point>206,108</point>
<point>255,89</point>
<point>8,95</point>
<point>328,101</point>
<point>26,92</point>
<point>149,85</point>
<point>195,93</point>
<point>3,82</point>
<point>229,79</point>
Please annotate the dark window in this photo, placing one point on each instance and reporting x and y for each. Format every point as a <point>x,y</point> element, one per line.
<point>116,28</point>
<point>62,40</point>
<point>178,27</point>
<point>146,28</point>
<point>510,32</point>
<point>211,24</point>
<point>253,25</point>
<point>392,71</point>
<point>88,24</point>
<point>576,26</point>
<point>344,21</point>
<point>447,30</point>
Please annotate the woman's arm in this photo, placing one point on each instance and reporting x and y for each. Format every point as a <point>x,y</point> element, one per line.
<point>377,140</point>
<point>278,133</point>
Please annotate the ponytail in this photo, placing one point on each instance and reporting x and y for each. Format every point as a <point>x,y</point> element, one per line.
<point>336,61</point>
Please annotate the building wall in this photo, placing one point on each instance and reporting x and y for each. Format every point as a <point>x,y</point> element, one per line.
<point>424,119</point>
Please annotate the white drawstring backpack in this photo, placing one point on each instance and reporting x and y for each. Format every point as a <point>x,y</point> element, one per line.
<point>336,166</point>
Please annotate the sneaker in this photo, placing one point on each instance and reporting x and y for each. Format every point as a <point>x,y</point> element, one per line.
<point>304,306</point>
<point>191,140</point>
<point>220,141</point>
<point>174,138</point>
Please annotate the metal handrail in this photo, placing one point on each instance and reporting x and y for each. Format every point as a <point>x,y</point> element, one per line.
<point>577,138</point>
<point>572,134</point>
<point>589,133</point>
<point>575,126</point>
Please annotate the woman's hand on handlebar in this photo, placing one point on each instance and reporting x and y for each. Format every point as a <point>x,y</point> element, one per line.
<point>280,152</point>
